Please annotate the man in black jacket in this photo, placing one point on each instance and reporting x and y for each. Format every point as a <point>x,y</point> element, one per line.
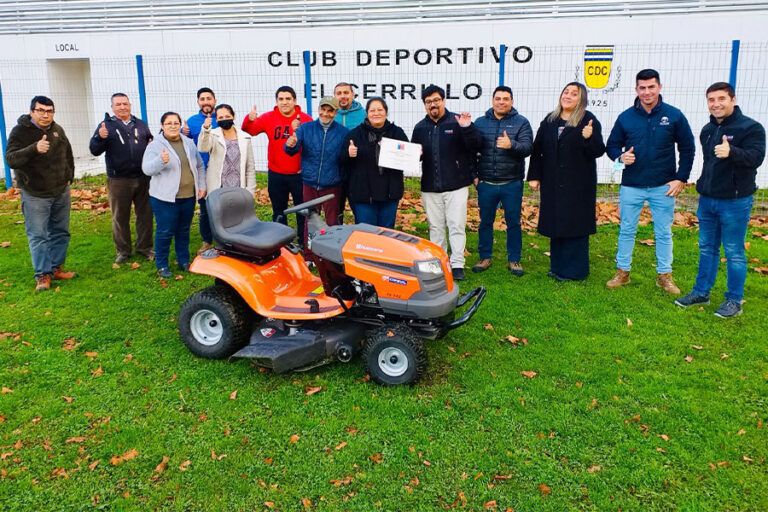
<point>449,143</point>
<point>507,140</point>
<point>733,147</point>
<point>39,152</point>
<point>124,138</point>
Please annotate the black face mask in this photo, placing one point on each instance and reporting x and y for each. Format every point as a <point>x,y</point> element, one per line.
<point>226,124</point>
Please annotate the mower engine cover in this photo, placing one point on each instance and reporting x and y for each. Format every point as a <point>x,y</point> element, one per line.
<point>412,276</point>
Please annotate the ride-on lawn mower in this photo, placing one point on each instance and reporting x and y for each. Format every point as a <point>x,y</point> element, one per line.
<point>389,288</point>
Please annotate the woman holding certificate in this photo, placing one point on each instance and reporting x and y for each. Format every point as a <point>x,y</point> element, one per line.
<point>374,192</point>
<point>568,143</point>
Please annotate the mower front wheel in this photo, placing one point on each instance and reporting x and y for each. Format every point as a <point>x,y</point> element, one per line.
<point>394,354</point>
<point>214,323</point>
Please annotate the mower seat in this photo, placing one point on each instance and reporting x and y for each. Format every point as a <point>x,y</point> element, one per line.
<point>236,228</point>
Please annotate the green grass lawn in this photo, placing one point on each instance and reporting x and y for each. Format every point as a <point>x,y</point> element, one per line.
<point>636,404</point>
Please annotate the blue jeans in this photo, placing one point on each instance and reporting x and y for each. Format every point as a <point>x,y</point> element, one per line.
<point>205,225</point>
<point>511,198</point>
<point>631,201</point>
<point>172,221</point>
<point>46,221</point>
<point>722,220</point>
<point>378,213</point>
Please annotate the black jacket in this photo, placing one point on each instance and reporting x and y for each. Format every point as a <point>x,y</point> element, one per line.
<point>449,151</point>
<point>366,181</point>
<point>497,164</point>
<point>40,174</point>
<point>566,167</point>
<point>732,177</point>
<point>124,145</point>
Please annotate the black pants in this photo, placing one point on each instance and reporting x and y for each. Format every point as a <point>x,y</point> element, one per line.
<point>279,187</point>
<point>569,257</point>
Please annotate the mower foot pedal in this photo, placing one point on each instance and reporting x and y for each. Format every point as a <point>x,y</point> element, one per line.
<point>284,353</point>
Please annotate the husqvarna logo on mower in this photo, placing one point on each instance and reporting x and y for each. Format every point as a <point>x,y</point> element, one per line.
<point>366,248</point>
<point>395,280</point>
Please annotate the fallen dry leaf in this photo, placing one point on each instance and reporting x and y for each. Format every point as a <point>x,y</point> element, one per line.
<point>528,374</point>
<point>340,445</point>
<point>6,391</point>
<point>93,464</point>
<point>67,399</point>
<point>594,469</point>
<point>91,354</point>
<point>294,438</point>
<point>5,244</point>
<point>311,390</point>
<point>697,347</point>
<point>306,503</point>
<point>688,358</point>
<point>98,371</point>
<point>78,439</point>
<point>545,490</point>
<point>135,265</point>
<point>69,344</point>
<point>629,322</point>
<point>233,395</point>
<point>115,266</point>
<point>490,505</point>
<point>162,466</point>
<point>664,437</point>
<point>488,327</point>
<point>184,465</point>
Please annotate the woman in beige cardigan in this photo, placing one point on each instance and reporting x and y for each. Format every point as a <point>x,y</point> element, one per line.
<point>231,157</point>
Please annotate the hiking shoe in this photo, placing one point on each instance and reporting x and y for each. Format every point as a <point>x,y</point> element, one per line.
<point>204,248</point>
<point>164,272</point>
<point>620,278</point>
<point>458,274</point>
<point>728,309</point>
<point>515,268</point>
<point>43,283</point>
<point>59,273</point>
<point>691,300</point>
<point>667,283</point>
<point>184,267</point>
<point>482,265</point>
<point>121,258</point>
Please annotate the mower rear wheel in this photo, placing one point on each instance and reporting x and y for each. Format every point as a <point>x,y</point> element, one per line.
<point>214,323</point>
<point>394,354</point>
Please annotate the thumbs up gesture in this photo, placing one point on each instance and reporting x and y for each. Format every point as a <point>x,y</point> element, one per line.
<point>465,119</point>
<point>208,122</point>
<point>103,132</point>
<point>165,156</point>
<point>295,123</point>
<point>253,114</point>
<point>504,142</point>
<point>185,128</point>
<point>586,132</point>
<point>43,145</point>
<point>352,149</point>
<point>291,141</point>
<point>628,157</point>
<point>723,150</point>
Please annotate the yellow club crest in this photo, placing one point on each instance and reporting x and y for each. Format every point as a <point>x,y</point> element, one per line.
<point>597,65</point>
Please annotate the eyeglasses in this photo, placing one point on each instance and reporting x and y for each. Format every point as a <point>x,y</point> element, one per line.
<point>44,111</point>
<point>435,101</point>
<point>172,124</point>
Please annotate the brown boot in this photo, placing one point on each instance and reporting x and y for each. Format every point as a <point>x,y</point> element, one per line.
<point>620,278</point>
<point>59,273</point>
<point>43,283</point>
<point>482,265</point>
<point>666,282</point>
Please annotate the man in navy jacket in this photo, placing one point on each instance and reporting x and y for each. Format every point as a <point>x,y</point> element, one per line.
<point>507,139</point>
<point>449,144</point>
<point>734,147</point>
<point>124,137</point>
<point>643,140</point>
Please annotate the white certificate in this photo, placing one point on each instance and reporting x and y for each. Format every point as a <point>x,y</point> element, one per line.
<point>397,154</point>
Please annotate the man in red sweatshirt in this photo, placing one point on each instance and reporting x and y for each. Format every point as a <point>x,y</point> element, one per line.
<point>283,178</point>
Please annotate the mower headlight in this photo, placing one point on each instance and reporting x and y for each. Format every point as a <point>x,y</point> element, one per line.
<point>429,267</point>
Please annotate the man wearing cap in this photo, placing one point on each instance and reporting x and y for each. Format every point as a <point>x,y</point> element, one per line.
<point>320,143</point>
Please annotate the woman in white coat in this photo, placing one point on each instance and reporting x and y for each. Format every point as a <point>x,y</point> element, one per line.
<point>230,162</point>
<point>178,181</point>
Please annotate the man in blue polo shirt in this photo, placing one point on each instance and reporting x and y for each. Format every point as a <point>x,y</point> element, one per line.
<point>206,101</point>
<point>643,141</point>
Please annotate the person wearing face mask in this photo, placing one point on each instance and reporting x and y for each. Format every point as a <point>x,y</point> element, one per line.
<point>178,179</point>
<point>374,192</point>
<point>230,162</point>
<point>563,167</point>
<point>321,143</point>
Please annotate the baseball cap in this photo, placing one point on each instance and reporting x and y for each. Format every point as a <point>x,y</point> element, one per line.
<point>330,101</point>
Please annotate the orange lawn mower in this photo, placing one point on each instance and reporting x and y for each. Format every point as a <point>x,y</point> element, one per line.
<point>379,290</point>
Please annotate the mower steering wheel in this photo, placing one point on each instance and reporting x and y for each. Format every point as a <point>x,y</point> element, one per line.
<point>309,204</point>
